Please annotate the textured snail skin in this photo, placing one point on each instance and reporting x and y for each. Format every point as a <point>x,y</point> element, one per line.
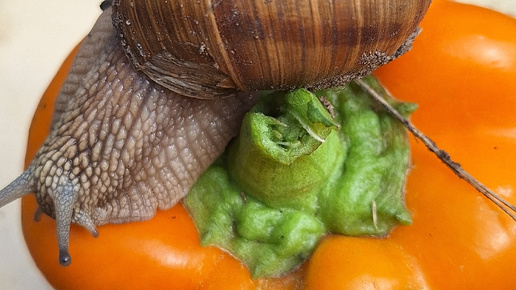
<point>120,145</point>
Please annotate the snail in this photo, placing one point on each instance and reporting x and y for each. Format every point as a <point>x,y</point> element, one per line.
<point>158,89</point>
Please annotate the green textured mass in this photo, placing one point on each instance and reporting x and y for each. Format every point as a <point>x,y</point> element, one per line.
<point>296,173</point>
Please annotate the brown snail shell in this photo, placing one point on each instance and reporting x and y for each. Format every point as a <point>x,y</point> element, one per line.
<point>211,48</point>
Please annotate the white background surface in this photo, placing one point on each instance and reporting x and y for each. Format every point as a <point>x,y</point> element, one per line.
<point>35,37</point>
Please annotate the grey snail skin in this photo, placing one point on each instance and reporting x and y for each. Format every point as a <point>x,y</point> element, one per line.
<point>158,89</point>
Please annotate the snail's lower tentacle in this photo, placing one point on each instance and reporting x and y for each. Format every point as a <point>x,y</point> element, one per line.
<point>82,218</point>
<point>37,215</point>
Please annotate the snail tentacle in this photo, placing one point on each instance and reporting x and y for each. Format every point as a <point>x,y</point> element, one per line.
<point>19,187</point>
<point>83,219</point>
<point>66,196</point>
<point>37,215</point>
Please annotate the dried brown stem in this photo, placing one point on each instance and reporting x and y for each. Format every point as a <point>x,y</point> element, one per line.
<point>441,154</point>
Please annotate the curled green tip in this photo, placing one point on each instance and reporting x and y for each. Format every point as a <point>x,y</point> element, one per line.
<point>274,159</point>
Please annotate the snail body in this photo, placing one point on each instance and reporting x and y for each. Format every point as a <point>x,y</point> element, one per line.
<point>127,138</point>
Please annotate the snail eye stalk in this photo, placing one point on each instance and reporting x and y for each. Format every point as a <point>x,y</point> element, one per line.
<point>19,187</point>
